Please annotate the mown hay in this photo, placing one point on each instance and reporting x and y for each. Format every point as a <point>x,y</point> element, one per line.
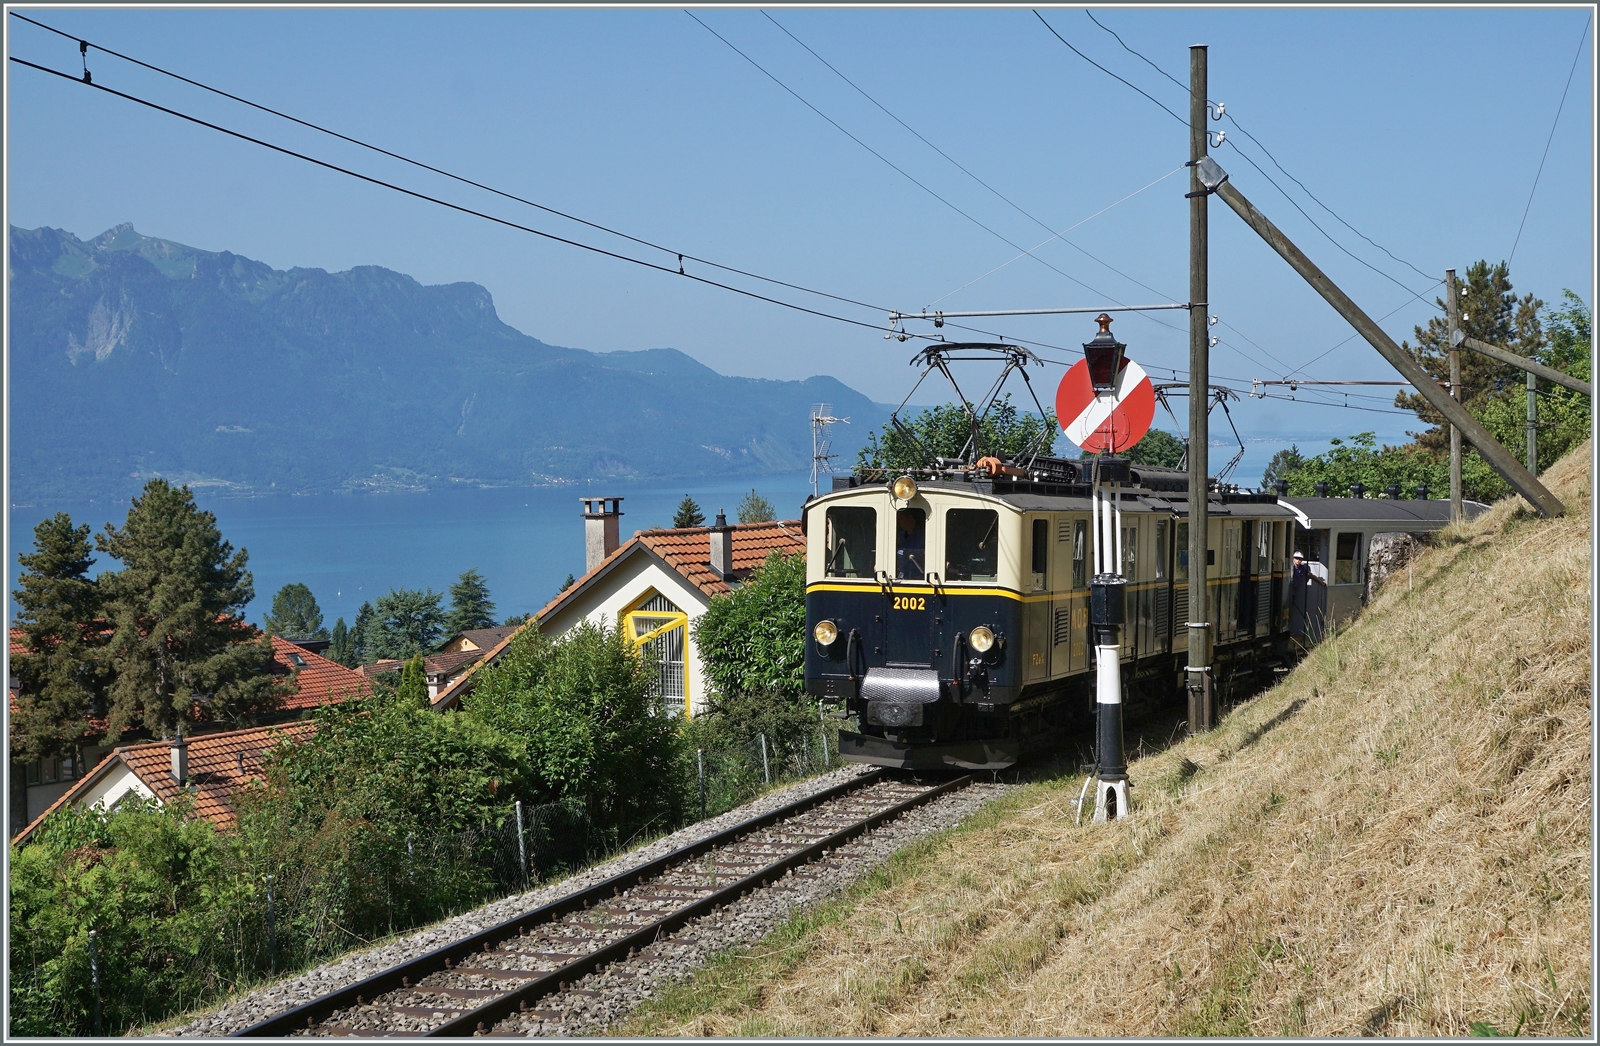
<point>1395,841</point>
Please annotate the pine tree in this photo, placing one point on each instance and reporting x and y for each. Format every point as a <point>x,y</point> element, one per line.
<point>689,514</point>
<point>361,636</point>
<point>1490,312</point>
<point>295,614</point>
<point>340,646</point>
<point>754,508</point>
<point>61,679</point>
<point>181,648</point>
<point>469,605</point>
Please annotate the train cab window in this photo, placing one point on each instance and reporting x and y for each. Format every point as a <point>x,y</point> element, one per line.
<point>852,542</point>
<point>1161,550</point>
<point>1181,539</point>
<point>971,544</point>
<point>1346,565</point>
<point>1080,541</point>
<point>910,544</point>
<point>1041,553</point>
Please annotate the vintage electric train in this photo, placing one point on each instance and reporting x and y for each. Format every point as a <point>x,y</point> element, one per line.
<point>947,610</point>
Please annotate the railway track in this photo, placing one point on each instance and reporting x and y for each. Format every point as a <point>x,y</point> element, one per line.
<point>474,984</point>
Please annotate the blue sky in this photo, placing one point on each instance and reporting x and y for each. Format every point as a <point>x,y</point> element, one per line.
<point>1423,128</point>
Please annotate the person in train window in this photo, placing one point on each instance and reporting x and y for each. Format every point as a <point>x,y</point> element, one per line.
<point>911,542</point>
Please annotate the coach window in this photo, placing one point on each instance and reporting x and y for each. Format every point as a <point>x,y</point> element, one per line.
<point>971,537</point>
<point>852,542</point>
<point>1345,563</point>
<point>1161,550</point>
<point>1041,553</point>
<point>1080,542</point>
<point>1181,540</point>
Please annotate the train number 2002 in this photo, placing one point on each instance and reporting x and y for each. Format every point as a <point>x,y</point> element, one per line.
<point>911,602</point>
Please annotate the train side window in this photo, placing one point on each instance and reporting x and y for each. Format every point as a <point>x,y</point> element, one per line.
<point>1161,550</point>
<point>1181,539</point>
<point>1263,547</point>
<point>1130,551</point>
<point>1345,570</point>
<point>852,542</point>
<point>1041,553</point>
<point>1080,567</point>
<point>971,539</point>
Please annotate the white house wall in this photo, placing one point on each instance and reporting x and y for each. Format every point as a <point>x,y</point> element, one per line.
<point>624,587</point>
<point>117,782</point>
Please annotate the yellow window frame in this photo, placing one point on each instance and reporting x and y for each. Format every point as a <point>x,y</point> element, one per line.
<point>678,619</point>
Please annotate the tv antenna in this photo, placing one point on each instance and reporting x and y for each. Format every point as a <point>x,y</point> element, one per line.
<point>822,454</point>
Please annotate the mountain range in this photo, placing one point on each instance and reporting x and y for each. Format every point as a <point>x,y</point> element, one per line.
<point>132,356</point>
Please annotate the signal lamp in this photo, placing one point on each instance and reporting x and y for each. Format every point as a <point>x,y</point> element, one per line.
<point>981,639</point>
<point>905,488</point>
<point>826,632</point>
<point>1104,356</point>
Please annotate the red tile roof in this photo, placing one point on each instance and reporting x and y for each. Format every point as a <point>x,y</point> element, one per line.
<point>687,550</point>
<point>320,681</point>
<point>214,770</point>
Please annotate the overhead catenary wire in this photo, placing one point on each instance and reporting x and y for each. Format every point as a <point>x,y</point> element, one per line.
<point>1581,37</point>
<point>672,251</point>
<point>453,206</point>
<point>890,163</point>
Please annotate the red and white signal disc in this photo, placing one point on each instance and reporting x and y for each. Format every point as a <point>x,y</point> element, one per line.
<point>1109,423</point>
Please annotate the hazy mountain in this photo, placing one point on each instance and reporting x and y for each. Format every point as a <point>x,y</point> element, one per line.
<point>133,356</point>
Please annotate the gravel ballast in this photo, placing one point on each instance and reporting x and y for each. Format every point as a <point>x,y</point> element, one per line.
<point>605,996</point>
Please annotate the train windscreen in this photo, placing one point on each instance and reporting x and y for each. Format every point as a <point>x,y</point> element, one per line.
<point>971,544</point>
<point>852,542</point>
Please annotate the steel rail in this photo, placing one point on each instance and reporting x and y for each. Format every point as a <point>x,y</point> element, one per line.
<point>310,1013</point>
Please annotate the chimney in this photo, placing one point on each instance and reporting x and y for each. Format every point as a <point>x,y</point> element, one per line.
<point>600,529</point>
<point>722,548</point>
<point>180,758</point>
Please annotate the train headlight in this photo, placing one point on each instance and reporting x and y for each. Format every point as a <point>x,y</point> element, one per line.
<point>981,639</point>
<point>905,488</point>
<point>826,632</point>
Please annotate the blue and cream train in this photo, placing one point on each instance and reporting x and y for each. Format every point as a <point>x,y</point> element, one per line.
<point>949,615</point>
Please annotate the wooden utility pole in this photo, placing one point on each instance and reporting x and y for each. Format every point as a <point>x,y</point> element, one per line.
<point>1453,338</point>
<point>1533,423</point>
<point>1501,460</point>
<point>1199,669</point>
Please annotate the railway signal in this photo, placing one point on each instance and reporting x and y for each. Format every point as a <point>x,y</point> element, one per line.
<point>1105,402</point>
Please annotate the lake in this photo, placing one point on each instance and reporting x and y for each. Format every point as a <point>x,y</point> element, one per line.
<point>354,547</point>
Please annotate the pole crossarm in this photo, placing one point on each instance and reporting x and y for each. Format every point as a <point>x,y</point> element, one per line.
<point>1537,369</point>
<point>1500,459</point>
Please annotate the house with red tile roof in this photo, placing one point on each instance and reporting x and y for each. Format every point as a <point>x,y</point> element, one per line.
<point>452,660</point>
<point>210,768</point>
<point>656,584</point>
<point>317,680</point>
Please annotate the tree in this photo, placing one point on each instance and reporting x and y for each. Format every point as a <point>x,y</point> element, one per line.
<point>361,637</point>
<point>295,614</point>
<point>1158,448</point>
<point>521,619</point>
<point>1360,460</point>
<point>405,621</point>
<point>585,711</point>
<point>61,679</point>
<point>1282,464</point>
<point>341,645</point>
<point>943,431</point>
<point>470,606</point>
<point>413,688</point>
<point>181,648</point>
<point>753,508</point>
<point>753,640</point>
<point>689,514</point>
<point>1490,312</point>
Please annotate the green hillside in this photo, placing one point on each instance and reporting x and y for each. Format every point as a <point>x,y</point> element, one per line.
<point>133,356</point>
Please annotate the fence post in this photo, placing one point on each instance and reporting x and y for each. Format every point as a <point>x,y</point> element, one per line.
<point>823,733</point>
<point>805,754</point>
<point>522,847</point>
<point>700,757</point>
<point>94,977</point>
<point>272,933</point>
<point>766,770</point>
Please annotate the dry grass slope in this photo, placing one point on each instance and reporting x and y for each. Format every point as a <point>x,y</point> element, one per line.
<point>1395,840</point>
